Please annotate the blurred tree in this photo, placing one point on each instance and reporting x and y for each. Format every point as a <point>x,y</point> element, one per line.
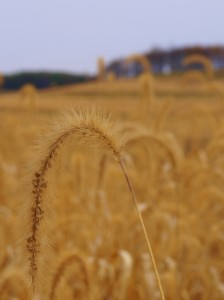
<point>42,79</point>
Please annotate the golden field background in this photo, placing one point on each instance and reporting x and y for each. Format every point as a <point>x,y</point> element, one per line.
<point>175,162</point>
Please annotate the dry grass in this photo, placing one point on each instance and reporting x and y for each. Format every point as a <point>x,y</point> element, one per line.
<point>90,239</point>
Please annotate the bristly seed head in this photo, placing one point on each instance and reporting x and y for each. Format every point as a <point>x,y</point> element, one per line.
<point>86,126</point>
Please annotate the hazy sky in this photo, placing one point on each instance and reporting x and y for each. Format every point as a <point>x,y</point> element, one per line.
<point>71,34</point>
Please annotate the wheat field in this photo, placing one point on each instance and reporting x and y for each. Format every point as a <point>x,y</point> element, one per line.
<point>87,241</point>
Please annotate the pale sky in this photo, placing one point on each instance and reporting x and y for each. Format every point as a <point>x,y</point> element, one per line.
<point>69,35</point>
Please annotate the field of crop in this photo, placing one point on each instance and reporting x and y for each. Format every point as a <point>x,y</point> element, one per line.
<point>69,226</point>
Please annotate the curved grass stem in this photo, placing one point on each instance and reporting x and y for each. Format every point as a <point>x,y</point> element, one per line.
<point>143,228</point>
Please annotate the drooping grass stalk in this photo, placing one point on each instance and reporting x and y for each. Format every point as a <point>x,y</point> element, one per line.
<point>200,59</point>
<point>68,260</point>
<point>165,141</point>
<point>85,126</point>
